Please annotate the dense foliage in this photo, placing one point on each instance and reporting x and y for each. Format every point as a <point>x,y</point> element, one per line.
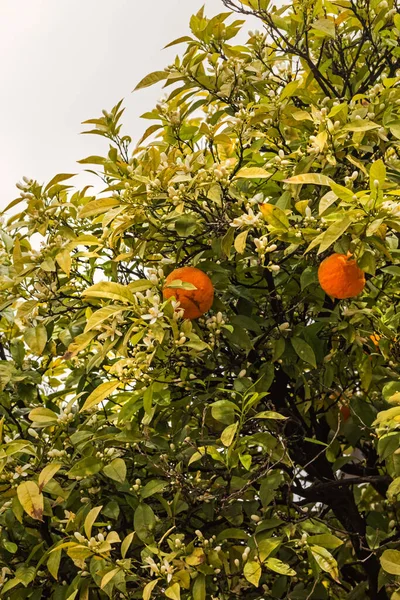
<point>252,453</point>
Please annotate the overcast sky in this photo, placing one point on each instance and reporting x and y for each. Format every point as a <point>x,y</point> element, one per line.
<point>63,61</point>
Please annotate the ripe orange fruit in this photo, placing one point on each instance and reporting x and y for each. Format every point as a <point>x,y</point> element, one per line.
<point>194,302</point>
<point>340,277</point>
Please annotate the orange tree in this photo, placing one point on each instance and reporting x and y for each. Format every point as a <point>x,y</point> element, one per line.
<point>252,452</point>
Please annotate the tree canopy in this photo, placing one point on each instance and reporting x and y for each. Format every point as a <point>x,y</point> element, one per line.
<point>252,452</point>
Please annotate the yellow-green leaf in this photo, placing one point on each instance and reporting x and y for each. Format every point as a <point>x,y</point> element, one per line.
<point>334,232</point>
<point>240,241</point>
<point>229,433</point>
<point>116,470</point>
<point>126,543</point>
<point>111,291</point>
<point>151,79</point>
<point>279,567</point>
<point>390,562</point>
<point>96,207</point>
<point>252,572</point>
<point>108,577</point>
<point>31,499</point>
<point>325,561</point>
<point>173,592</point>
<point>100,393</point>
<point>274,216</point>
<point>312,178</point>
<point>48,473</point>
<point>36,338</point>
<point>101,315</point>
<point>199,587</point>
<point>63,258</point>
<point>148,588</point>
<point>43,416</point>
<point>90,519</point>
<point>53,562</point>
<point>252,173</point>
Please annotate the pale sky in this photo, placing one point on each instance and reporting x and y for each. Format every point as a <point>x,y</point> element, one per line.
<point>63,61</point>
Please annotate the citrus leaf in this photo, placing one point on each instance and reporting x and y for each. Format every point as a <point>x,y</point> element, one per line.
<point>31,499</point>
<point>390,561</point>
<point>151,79</point>
<point>304,351</point>
<point>313,178</point>
<point>148,588</point>
<point>325,561</point>
<point>229,433</point>
<point>279,567</point>
<point>96,207</point>
<point>111,291</point>
<point>36,338</point>
<point>90,519</point>
<point>116,470</point>
<point>252,173</point>
<point>43,416</point>
<point>274,216</point>
<point>252,572</point>
<point>108,577</point>
<point>101,315</point>
<point>240,241</point>
<point>173,592</point>
<point>47,474</point>
<point>99,394</point>
<point>199,587</point>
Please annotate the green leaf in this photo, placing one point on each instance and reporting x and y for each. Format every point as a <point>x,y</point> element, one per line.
<point>325,561</point>
<point>377,172</point>
<point>58,178</point>
<point>269,414</point>
<point>390,561</point>
<point>326,540</point>
<point>90,519</point>
<point>360,125</point>
<point>43,416</point>
<point>394,489</point>
<point>304,351</point>
<point>240,241</point>
<point>279,567</point>
<point>127,541</point>
<point>326,26</point>
<point>102,315</point>
<point>36,338</point>
<point>85,467</point>
<point>274,216</point>
<point>154,486</point>
<point>228,434</point>
<point>144,522</point>
<point>109,577</point>
<point>173,592</point>
<point>31,499</point>
<point>252,173</point>
<point>334,232</point>
<point>47,474</point>
<point>151,79</point>
<point>100,393</point>
<point>116,470</point>
<point>148,588</point>
<point>252,572</point>
<point>224,411</point>
<point>199,587</point>
<point>267,546</point>
<point>313,178</point>
<point>111,291</point>
<point>96,207</point>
